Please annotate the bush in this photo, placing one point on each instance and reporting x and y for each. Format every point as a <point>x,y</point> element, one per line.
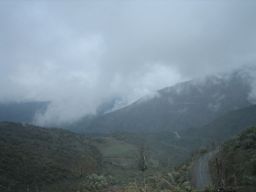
<point>96,182</point>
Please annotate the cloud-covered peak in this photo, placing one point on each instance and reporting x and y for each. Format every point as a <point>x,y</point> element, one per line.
<point>77,55</point>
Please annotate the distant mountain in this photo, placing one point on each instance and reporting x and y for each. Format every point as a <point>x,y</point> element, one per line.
<point>32,158</point>
<point>22,111</point>
<point>186,105</point>
<point>227,126</point>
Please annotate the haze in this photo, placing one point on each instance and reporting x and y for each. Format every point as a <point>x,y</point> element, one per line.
<point>80,54</point>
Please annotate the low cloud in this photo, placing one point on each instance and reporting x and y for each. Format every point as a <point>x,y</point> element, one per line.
<point>78,55</point>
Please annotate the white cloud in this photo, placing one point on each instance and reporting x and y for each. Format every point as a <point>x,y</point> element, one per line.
<point>79,54</point>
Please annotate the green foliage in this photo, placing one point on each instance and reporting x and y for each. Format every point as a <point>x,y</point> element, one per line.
<point>95,182</point>
<point>33,158</point>
<point>238,157</point>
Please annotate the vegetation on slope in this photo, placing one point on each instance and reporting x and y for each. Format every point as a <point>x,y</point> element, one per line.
<point>229,125</point>
<point>59,160</point>
<point>33,158</point>
<point>39,159</point>
<point>235,164</point>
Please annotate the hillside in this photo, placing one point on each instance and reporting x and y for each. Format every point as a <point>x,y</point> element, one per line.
<point>232,123</point>
<point>55,160</point>
<point>168,149</point>
<point>226,126</point>
<point>237,162</point>
<point>186,105</point>
<point>33,158</point>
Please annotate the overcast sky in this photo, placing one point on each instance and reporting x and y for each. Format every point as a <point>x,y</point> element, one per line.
<point>78,54</point>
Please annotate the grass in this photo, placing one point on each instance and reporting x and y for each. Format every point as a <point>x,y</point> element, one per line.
<point>113,148</point>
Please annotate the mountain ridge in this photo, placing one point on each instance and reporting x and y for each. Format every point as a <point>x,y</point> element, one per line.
<point>186,105</point>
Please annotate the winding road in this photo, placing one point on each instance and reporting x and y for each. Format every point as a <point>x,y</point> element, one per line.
<point>201,177</point>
